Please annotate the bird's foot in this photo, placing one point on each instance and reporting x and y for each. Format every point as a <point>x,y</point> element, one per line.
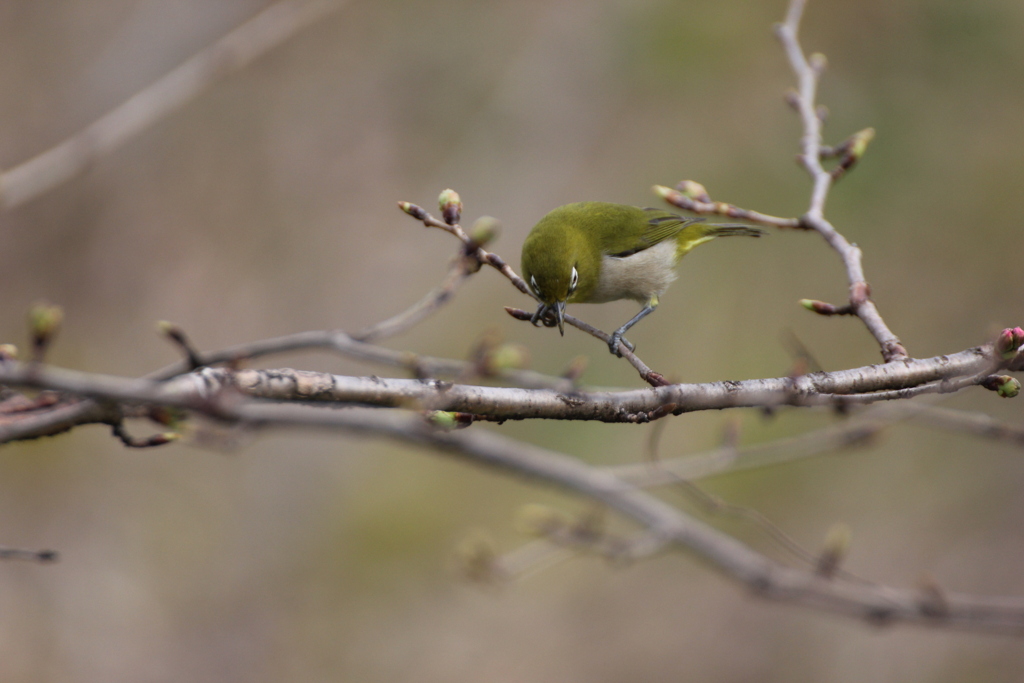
<point>613,343</point>
<point>545,315</point>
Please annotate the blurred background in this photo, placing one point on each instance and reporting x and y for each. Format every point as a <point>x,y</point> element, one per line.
<point>267,206</point>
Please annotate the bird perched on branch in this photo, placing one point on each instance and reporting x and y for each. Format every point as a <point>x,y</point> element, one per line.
<point>594,252</point>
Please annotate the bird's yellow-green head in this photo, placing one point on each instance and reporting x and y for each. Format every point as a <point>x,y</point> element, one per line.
<point>559,263</point>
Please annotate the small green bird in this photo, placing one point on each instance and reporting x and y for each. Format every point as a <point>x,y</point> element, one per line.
<point>594,252</point>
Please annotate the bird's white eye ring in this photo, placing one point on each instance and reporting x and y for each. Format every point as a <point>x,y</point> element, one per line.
<point>573,280</point>
<point>533,284</point>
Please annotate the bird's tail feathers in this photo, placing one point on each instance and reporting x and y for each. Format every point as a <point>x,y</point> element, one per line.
<point>735,230</point>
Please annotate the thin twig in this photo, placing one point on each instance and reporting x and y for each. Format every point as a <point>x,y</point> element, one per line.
<point>851,433</point>
<point>705,206</point>
<point>653,378</point>
<point>858,431</point>
<point>42,556</point>
<point>434,299</point>
<point>974,423</point>
<point>268,29</point>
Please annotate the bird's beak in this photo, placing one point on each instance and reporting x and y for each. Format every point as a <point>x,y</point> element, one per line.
<point>560,313</point>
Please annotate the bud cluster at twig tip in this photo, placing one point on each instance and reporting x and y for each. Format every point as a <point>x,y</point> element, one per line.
<point>450,206</point>
<point>1009,342</point>
<point>44,321</point>
<point>694,190</point>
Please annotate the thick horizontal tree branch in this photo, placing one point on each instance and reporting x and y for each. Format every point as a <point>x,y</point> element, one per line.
<point>207,389</point>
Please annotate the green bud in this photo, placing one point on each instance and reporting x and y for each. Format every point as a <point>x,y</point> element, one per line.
<point>8,352</point>
<point>859,142</point>
<point>448,420</point>
<point>450,205</point>
<point>443,419</point>
<point>485,230</point>
<point>1009,388</point>
<point>818,61</point>
<point>664,192</point>
<point>835,549</point>
<point>540,521</point>
<point>415,211</point>
<point>477,557</point>
<point>171,331</point>
<point>1004,385</point>
<point>44,322</point>
<point>819,307</point>
<point>507,357</point>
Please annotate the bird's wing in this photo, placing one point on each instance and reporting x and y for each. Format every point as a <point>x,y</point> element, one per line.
<point>661,225</point>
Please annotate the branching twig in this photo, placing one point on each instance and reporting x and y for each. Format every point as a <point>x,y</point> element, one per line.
<point>808,73</point>
<point>766,578</point>
<point>472,248</point>
<point>266,30</point>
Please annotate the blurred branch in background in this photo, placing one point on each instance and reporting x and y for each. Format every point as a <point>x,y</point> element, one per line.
<point>429,412</point>
<point>268,29</point>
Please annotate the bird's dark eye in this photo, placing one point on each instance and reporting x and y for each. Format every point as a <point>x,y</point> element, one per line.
<point>573,280</point>
<point>533,285</point>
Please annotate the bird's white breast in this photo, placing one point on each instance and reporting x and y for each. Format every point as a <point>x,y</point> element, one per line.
<point>643,275</point>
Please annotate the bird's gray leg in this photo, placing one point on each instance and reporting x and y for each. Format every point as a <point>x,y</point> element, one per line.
<point>613,343</point>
